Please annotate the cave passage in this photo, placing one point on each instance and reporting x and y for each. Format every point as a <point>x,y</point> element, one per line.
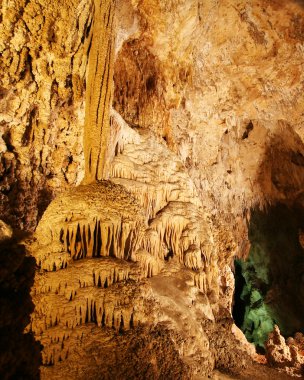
<point>269,284</point>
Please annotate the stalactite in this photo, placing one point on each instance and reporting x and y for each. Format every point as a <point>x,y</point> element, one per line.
<point>83,275</point>
<point>193,258</point>
<point>200,281</point>
<point>98,238</point>
<point>150,264</point>
<point>99,91</point>
<point>103,231</point>
<point>91,305</point>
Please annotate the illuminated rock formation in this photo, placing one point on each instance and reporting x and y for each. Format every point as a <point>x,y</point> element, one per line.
<point>99,89</point>
<point>148,143</point>
<point>97,244</point>
<point>287,356</point>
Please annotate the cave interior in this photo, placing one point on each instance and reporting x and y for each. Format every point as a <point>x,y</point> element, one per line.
<point>269,282</point>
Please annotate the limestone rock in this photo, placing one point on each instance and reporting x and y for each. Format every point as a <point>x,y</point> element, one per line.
<point>288,357</point>
<point>5,231</point>
<point>96,246</point>
<point>137,139</point>
<point>42,103</point>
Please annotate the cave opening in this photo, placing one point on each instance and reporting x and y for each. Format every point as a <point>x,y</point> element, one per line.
<point>269,283</point>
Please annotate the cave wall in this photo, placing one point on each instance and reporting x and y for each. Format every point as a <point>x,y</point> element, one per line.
<point>194,111</point>
<point>44,49</point>
<point>180,71</point>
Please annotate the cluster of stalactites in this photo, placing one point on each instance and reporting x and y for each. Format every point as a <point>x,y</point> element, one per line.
<point>202,281</point>
<point>156,177</point>
<point>152,173</point>
<point>100,238</point>
<point>149,265</point>
<point>175,234</point>
<point>98,291</point>
<point>91,306</point>
<point>52,259</point>
<point>57,340</point>
<point>151,197</point>
<point>172,232</point>
<point>89,273</point>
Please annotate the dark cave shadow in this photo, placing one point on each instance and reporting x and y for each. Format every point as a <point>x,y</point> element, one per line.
<point>300,2</point>
<point>275,268</point>
<point>276,230</point>
<point>20,353</point>
<point>238,311</point>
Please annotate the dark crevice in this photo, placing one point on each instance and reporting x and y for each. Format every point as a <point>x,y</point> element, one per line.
<point>249,128</point>
<point>169,255</point>
<point>239,304</point>
<point>269,285</point>
<point>27,136</point>
<point>20,353</point>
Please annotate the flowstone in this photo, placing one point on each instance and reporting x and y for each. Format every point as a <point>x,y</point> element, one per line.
<point>96,249</point>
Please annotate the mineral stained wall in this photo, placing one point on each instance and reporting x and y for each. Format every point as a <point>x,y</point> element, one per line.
<point>137,139</point>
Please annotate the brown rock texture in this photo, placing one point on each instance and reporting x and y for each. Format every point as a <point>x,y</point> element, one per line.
<point>136,140</point>
<point>99,89</point>
<point>42,103</point>
<point>286,356</point>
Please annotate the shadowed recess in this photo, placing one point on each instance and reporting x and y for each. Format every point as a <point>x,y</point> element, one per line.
<point>270,283</point>
<point>20,355</point>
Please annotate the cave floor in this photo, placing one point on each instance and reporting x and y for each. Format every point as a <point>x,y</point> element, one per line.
<point>252,372</point>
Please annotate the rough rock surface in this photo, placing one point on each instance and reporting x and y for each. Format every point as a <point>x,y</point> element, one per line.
<point>287,356</point>
<point>181,118</point>
<point>42,103</point>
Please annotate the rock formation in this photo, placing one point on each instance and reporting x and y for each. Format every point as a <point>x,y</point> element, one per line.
<point>288,356</point>
<point>144,146</point>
